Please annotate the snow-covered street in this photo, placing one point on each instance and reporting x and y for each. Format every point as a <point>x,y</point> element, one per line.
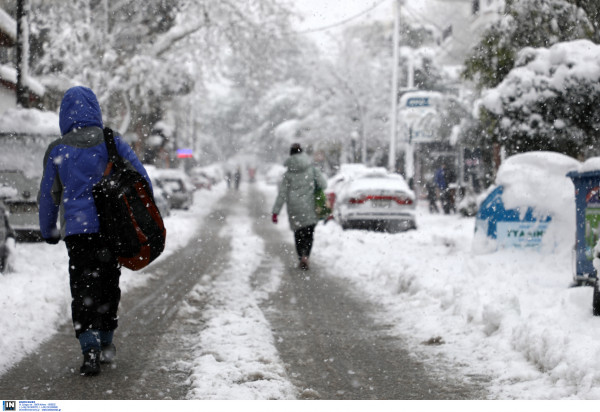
<point>509,316</point>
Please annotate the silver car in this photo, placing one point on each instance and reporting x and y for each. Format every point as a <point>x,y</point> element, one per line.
<point>176,185</point>
<point>377,201</point>
<point>19,194</point>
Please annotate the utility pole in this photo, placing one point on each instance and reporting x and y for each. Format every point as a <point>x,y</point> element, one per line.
<point>22,51</point>
<point>394,108</point>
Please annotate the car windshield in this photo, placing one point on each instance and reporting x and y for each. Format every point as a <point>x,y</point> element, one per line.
<point>173,185</point>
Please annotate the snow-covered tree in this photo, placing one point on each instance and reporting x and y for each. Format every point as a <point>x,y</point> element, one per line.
<point>139,56</point>
<point>592,9</point>
<point>527,23</point>
<point>549,101</point>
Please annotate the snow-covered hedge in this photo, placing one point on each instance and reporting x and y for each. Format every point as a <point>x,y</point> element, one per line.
<point>549,100</point>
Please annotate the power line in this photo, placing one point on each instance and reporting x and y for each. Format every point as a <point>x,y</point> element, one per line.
<point>342,22</point>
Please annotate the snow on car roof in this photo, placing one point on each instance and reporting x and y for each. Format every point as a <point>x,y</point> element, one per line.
<point>379,182</point>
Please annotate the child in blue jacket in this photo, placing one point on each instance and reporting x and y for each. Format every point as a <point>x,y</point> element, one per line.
<point>72,165</point>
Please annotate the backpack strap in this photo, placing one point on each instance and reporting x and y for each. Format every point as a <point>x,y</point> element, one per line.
<point>111,146</point>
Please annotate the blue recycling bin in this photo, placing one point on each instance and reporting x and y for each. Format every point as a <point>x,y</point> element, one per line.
<point>587,206</point>
<point>510,228</point>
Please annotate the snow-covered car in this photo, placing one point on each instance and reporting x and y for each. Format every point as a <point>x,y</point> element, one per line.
<point>201,181</point>
<point>161,198</point>
<point>347,172</point>
<point>213,172</point>
<point>176,184</point>
<point>19,194</point>
<point>377,200</point>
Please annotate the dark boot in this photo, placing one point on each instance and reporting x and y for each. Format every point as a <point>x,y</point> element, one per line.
<point>91,363</point>
<point>304,263</point>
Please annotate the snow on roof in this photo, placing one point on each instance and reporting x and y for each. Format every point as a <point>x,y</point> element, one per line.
<point>9,74</point>
<point>8,25</point>
<point>29,121</point>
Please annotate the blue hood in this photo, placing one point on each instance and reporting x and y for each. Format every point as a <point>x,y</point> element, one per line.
<point>79,108</point>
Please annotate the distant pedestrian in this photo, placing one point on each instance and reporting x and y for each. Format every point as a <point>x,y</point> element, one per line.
<point>228,179</point>
<point>237,177</point>
<point>442,183</point>
<point>296,190</point>
<point>444,178</point>
<point>72,165</point>
<point>431,189</point>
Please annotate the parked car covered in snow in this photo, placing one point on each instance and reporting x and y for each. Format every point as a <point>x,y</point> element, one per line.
<point>24,137</point>
<point>376,200</point>
<point>177,185</point>
<point>201,181</point>
<point>19,194</point>
<point>161,198</point>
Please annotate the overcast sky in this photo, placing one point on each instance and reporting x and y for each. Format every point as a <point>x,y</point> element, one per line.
<point>319,14</point>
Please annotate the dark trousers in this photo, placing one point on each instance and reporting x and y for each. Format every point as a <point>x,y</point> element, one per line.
<point>304,240</point>
<point>94,278</point>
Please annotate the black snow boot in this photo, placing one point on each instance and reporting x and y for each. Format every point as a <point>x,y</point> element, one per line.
<point>91,363</point>
<point>304,263</point>
<point>108,353</point>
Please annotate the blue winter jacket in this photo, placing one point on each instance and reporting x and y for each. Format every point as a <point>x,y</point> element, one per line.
<point>74,163</point>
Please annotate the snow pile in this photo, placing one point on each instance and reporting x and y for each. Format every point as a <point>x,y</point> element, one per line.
<point>590,165</point>
<point>539,180</point>
<point>509,315</point>
<point>235,354</point>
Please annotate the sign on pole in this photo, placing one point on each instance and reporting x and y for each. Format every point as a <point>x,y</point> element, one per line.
<point>417,102</point>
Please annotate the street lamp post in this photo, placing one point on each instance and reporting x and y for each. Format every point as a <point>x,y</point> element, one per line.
<point>394,108</point>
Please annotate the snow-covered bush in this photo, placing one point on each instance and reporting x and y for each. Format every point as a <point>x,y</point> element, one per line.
<point>549,100</point>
